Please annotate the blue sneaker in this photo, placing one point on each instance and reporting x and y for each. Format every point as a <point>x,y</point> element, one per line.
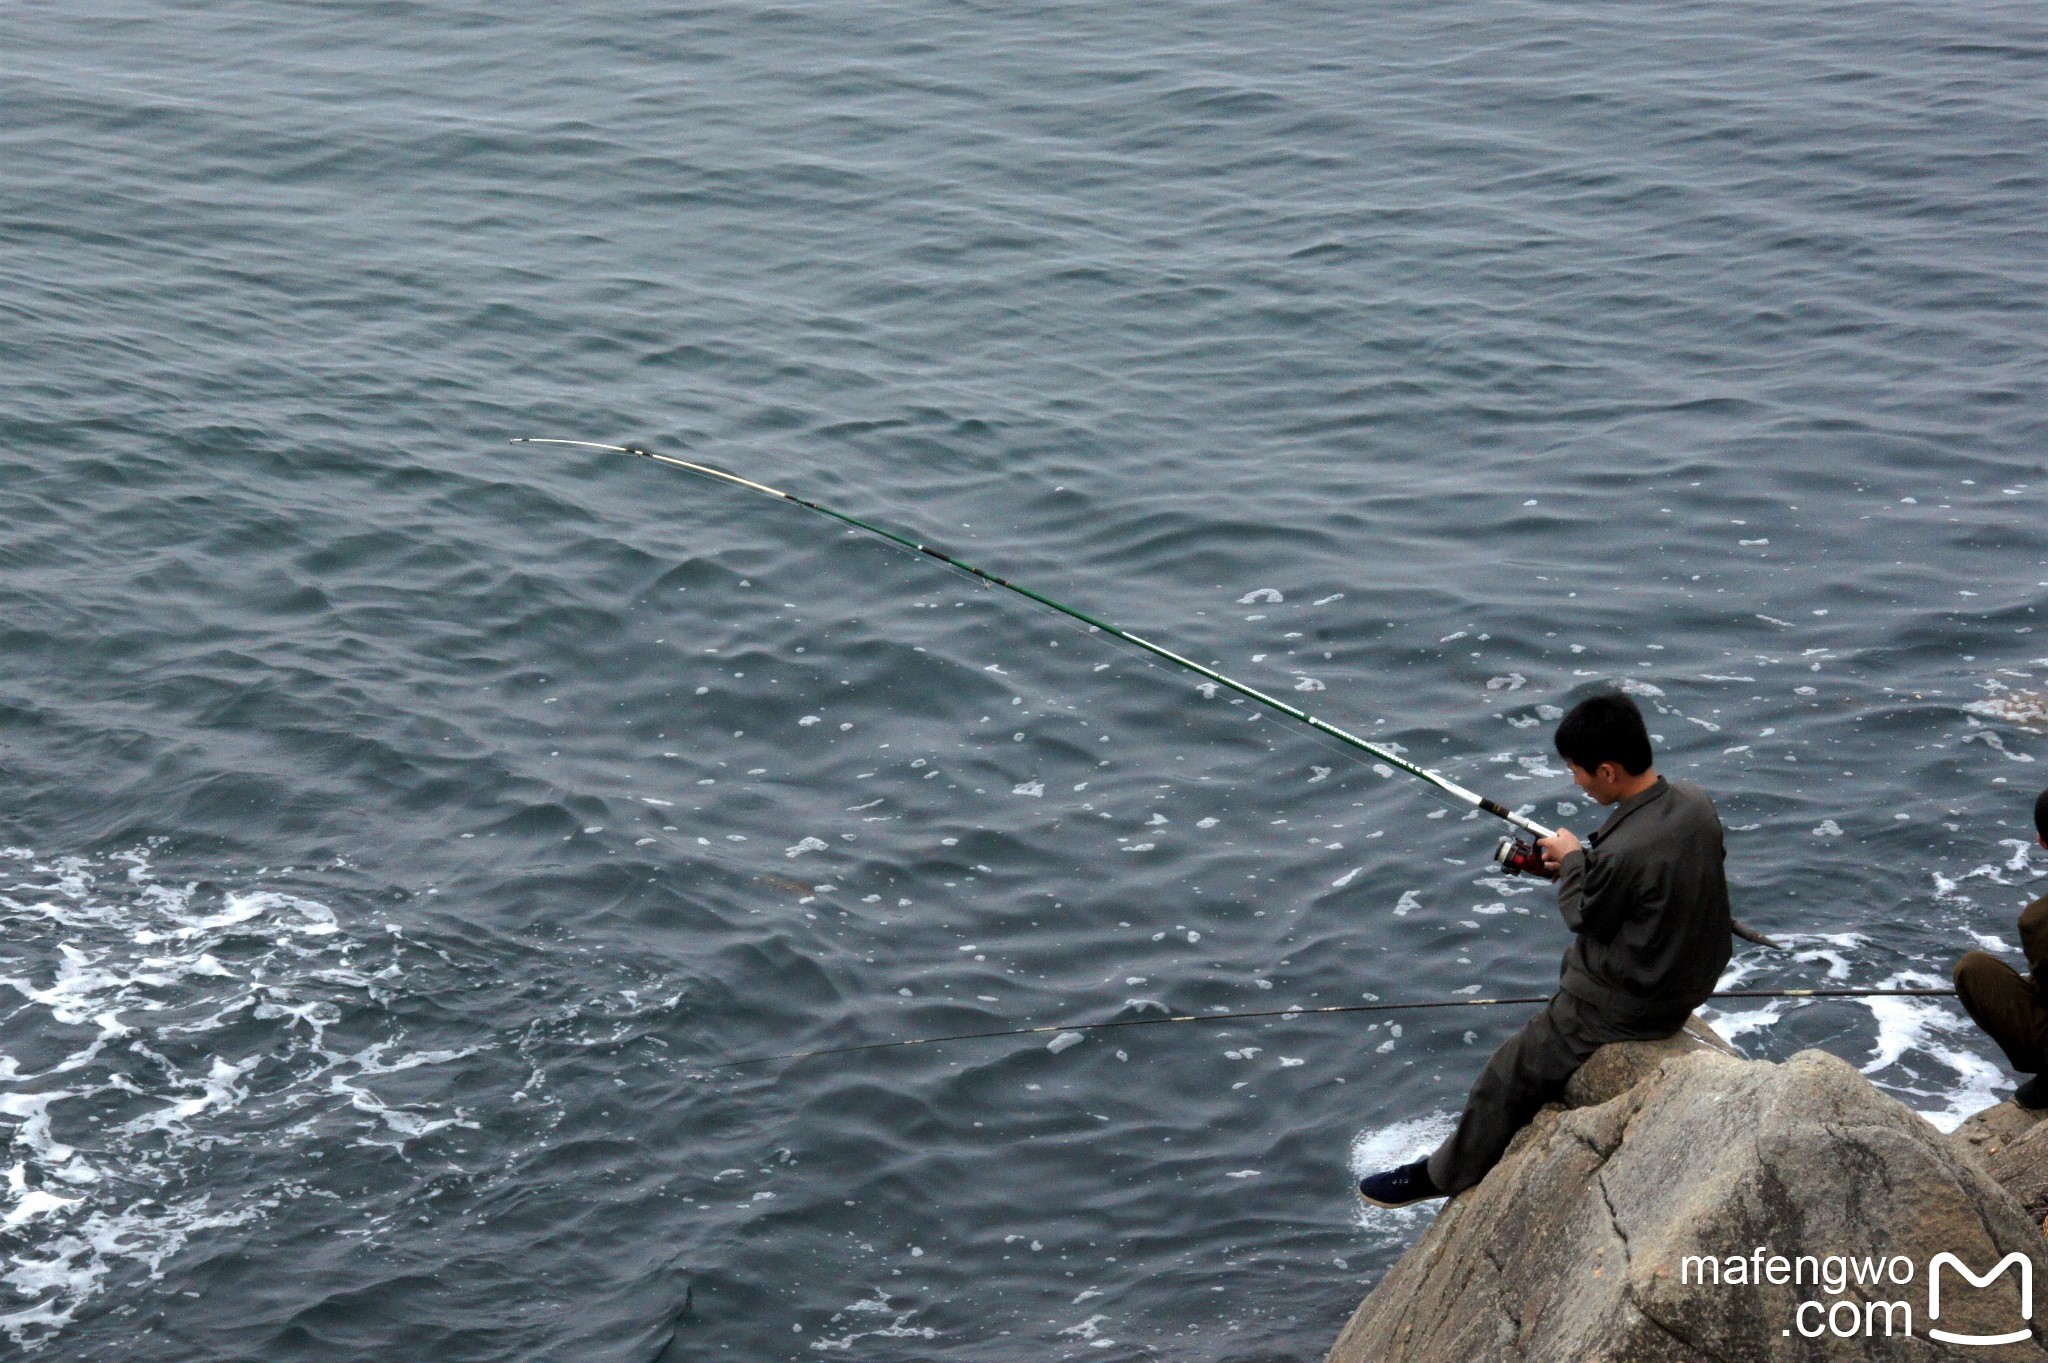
<point>1399,1187</point>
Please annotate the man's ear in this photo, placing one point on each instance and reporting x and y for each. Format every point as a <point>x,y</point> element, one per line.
<point>1611,772</point>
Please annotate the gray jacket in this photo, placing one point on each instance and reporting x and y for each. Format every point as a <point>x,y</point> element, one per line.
<point>1648,899</point>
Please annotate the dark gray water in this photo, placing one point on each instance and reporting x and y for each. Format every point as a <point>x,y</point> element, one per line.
<point>398,821</point>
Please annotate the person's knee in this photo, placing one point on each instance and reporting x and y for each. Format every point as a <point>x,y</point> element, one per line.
<point>1498,1074</point>
<point>1976,969</point>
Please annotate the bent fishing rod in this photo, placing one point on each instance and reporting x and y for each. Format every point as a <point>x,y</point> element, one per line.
<point>1386,755</point>
<point>1515,858</point>
<point>1297,1012</point>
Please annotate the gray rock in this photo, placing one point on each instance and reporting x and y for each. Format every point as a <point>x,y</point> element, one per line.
<point>1615,1069</point>
<point>1574,1247</point>
<point>1984,1133</point>
<point>2011,1142</point>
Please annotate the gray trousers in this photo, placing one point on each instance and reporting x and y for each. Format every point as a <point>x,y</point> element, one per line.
<point>1528,1071</point>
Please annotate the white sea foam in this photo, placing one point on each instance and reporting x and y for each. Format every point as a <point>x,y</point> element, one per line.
<point>170,1001</point>
<point>1990,739</point>
<point>1732,1024</point>
<point>1925,1051</point>
<point>2027,708</point>
<point>899,1326</point>
<point>1909,1029</point>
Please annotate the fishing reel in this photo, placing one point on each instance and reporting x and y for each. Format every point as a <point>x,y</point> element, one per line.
<point>1520,857</point>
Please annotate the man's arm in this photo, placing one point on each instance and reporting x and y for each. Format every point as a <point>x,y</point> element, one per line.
<point>1594,892</point>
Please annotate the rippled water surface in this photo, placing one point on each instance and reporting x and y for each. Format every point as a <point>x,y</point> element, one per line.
<point>400,824</point>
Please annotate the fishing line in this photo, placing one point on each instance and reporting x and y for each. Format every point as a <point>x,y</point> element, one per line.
<point>1299,1013</point>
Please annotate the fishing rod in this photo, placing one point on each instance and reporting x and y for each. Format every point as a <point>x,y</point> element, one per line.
<point>1513,857</point>
<point>1297,1013</point>
<point>1386,755</point>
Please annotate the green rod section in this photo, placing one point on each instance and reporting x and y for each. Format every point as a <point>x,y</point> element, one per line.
<point>1441,782</point>
<point>1303,1012</point>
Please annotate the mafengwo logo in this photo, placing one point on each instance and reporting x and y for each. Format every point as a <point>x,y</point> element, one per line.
<point>2013,1260</point>
<point>1854,1282</point>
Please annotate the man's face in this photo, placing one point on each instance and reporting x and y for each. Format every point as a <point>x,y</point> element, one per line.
<point>1602,783</point>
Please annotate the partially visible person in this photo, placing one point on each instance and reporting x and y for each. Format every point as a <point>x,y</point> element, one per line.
<point>2009,1006</point>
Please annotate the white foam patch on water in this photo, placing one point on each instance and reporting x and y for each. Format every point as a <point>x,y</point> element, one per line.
<point>1732,1025</point>
<point>1926,1052</point>
<point>1938,1030</point>
<point>146,1013</point>
<point>899,1326</point>
<point>2029,708</point>
<point>1948,889</point>
<point>1835,949</point>
<point>1990,739</point>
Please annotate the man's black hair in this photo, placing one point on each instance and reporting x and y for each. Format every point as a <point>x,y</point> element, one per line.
<point>1605,728</point>
<point>2041,815</point>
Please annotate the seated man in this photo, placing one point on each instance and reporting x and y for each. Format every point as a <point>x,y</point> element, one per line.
<point>1647,902</point>
<point>2008,1005</point>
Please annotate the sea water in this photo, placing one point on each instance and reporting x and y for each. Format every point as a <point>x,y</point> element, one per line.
<point>402,826</point>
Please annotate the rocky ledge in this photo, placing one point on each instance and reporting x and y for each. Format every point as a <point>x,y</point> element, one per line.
<point>1685,1204</point>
